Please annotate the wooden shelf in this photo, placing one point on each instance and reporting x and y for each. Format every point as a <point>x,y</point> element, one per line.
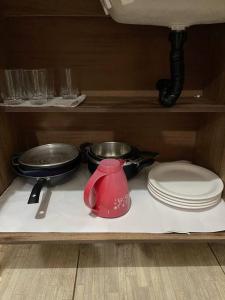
<point>40,237</point>
<point>69,220</point>
<point>24,8</point>
<point>127,105</point>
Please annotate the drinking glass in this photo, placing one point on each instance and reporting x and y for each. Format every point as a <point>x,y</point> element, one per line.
<point>11,82</point>
<point>50,83</point>
<point>68,86</point>
<point>35,86</point>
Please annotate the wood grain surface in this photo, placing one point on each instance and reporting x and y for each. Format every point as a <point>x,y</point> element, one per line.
<point>210,143</point>
<point>112,271</point>
<point>51,8</point>
<point>9,144</point>
<point>215,89</point>
<point>38,272</point>
<point>51,237</point>
<point>148,272</point>
<point>219,252</point>
<point>105,54</point>
<point>126,105</point>
<point>156,132</point>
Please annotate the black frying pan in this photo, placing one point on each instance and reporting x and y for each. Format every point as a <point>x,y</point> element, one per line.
<point>45,177</point>
<point>47,164</point>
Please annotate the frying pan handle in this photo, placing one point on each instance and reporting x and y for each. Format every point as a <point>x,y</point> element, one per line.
<point>145,159</point>
<point>42,210</point>
<point>145,163</point>
<point>148,158</point>
<point>84,148</point>
<point>148,154</point>
<point>14,160</point>
<point>35,194</point>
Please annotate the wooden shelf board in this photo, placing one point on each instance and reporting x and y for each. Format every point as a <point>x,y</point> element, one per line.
<point>69,221</point>
<point>16,238</point>
<point>26,8</point>
<point>126,105</point>
<point>53,15</point>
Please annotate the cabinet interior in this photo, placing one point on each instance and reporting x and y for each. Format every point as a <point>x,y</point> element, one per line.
<point>114,59</point>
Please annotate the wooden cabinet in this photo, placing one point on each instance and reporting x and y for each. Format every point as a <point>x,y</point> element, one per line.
<point>117,67</point>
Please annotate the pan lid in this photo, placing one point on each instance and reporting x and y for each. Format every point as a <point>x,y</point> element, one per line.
<point>49,155</point>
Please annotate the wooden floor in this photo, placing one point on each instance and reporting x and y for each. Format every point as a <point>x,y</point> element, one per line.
<point>112,271</point>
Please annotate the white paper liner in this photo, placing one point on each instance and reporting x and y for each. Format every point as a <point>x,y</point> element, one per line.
<point>67,212</point>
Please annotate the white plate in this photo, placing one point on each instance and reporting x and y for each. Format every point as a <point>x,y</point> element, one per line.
<point>163,200</point>
<point>185,181</point>
<point>182,200</point>
<point>213,202</point>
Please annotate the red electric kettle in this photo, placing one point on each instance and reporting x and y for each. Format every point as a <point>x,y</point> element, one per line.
<point>106,192</point>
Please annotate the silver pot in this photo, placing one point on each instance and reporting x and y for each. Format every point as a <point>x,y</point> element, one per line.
<point>134,160</point>
<point>111,150</point>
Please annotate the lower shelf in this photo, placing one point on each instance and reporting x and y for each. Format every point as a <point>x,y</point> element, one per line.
<point>68,220</point>
<point>40,237</point>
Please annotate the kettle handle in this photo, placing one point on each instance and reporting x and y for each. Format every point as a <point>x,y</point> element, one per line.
<point>89,200</point>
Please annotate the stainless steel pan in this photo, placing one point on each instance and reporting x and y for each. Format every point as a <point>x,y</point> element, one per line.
<point>47,165</point>
<point>48,156</point>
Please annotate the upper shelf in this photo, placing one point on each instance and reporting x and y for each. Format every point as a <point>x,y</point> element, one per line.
<point>127,105</point>
<point>14,8</point>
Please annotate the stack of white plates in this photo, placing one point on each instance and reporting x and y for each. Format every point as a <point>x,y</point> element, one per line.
<point>185,185</point>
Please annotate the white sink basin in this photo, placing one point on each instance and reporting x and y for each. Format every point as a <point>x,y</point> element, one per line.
<point>171,13</point>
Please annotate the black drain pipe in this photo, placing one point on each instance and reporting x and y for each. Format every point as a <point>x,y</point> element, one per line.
<point>170,89</point>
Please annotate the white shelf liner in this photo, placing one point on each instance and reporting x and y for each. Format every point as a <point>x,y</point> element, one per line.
<point>67,212</point>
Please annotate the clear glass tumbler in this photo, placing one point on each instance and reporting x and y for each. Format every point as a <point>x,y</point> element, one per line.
<point>68,85</point>
<point>51,83</point>
<point>36,86</point>
<point>11,85</point>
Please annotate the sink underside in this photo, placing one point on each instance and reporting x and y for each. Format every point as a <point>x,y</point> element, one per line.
<point>170,13</point>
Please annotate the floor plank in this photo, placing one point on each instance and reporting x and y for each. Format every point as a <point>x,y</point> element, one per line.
<point>219,252</point>
<point>141,271</point>
<point>112,271</point>
<point>37,272</point>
